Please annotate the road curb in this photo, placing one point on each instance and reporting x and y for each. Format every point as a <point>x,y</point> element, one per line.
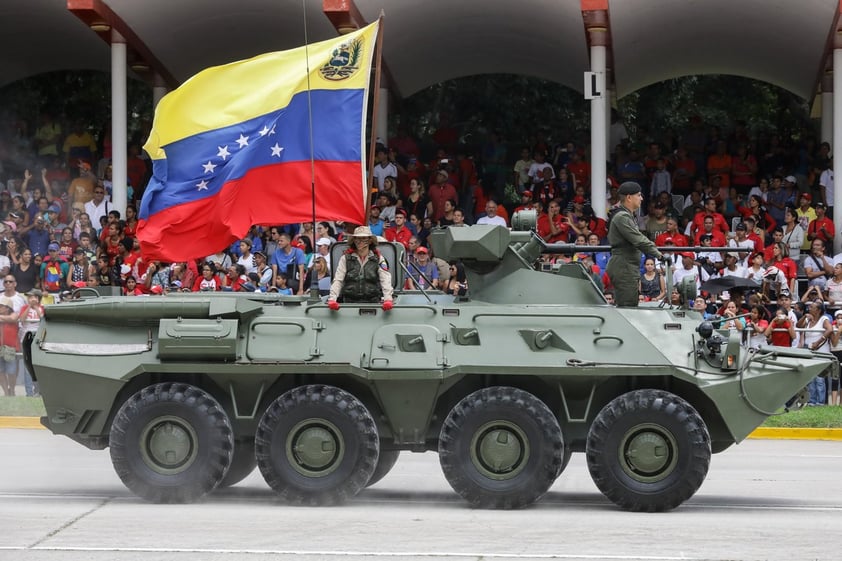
<point>761,433</point>
<point>21,423</point>
<point>796,434</point>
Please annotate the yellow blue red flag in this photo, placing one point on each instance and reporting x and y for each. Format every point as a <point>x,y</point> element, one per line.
<point>231,147</point>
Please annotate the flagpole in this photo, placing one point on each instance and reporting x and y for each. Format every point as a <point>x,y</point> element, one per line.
<point>314,282</point>
<point>375,104</point>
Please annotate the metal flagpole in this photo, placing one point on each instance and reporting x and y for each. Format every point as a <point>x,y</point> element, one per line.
<point>375,103</point>
<point>314,281</point>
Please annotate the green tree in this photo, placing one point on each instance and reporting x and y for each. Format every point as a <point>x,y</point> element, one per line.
<point>74,95</point>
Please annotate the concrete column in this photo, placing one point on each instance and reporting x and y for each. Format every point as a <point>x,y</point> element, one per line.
<point>608,94</point>
<point>837,139</point>
<point>827,117</point>
<point>598,136</point>
<point>159,89</point>
<point>383,115</point>
<point>119,118</point>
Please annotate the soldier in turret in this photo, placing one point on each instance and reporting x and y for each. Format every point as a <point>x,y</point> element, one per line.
<point>627,243</point>
<point>362,274</point>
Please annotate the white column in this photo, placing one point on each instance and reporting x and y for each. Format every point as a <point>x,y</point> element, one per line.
<point>383,115</point>
<point>608,94</point>
<point>159,90</point>
<point>598,137</point>
<point>119,125</point>
<point>827,117</point>
<point>837,141</point>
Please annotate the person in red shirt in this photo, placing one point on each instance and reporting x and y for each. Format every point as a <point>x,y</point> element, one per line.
<point>441,191</point>
<point>581,170</point>
<point>720,164</point>
<point>717,237</point>
<point>208,281</point>
<point>525,202</point>
<point>589,223</point>
<point>780,331</point>
<point>399,232</point>
<point>684,169</point>
<point>768,251</point>
<point>781,260</point>
<point>719,222</point>
<point>676,238</point>
<point>136,170</point>
<point>552,225</point>
<point>822,227</point>
<point>758,236</point>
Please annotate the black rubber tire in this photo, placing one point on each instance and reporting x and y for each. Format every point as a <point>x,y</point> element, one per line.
<point>242,464</point>
<point>159,412</point>
<point>504,411</point>
<point>385,463</point>
<point>322,410</point>
<point>649,419</point>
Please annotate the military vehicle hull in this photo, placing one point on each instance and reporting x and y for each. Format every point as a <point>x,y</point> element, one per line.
<point>192,391</point>
<point>417,376</point>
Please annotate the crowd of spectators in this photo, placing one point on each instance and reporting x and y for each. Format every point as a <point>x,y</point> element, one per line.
<point>767,196</point>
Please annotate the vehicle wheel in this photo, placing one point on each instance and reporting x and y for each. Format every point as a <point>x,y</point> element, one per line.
<point>500,447</point>
<point>171,443</point>
<point>648,450</point>
<point>317,445</point>
<point>242,464</point>
<point>385,463</point>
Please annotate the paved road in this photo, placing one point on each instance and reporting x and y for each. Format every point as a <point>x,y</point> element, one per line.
<point>764,499</point>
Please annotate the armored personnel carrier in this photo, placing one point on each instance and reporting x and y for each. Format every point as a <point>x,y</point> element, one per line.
<point>191,391</point>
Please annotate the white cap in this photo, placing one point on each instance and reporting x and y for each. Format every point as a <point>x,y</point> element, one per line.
<point>322,241</point>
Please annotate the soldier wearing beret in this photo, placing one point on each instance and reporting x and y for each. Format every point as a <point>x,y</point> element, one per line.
<point>627,243</point>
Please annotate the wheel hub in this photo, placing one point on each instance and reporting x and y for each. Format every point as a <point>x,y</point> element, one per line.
<point>315,447</point>
<point>499,450</point>
<point>648,452</point>
<point>168,445</point>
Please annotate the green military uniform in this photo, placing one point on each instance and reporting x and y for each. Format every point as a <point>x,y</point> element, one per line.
<point>627,243</point>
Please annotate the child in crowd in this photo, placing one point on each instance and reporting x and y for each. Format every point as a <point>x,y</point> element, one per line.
<point>29,317</point>
<point>281,285</point>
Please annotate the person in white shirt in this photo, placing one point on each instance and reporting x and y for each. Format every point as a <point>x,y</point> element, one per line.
<point>689,269</point>
<point>742,242</point>
<point>826,184</point>
<point>98,207</point>
<point>491,216</point>
<point>536,170</point>
<point>383,169</point>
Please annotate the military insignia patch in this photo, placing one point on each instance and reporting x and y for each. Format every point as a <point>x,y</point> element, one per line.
<point>344,61</point>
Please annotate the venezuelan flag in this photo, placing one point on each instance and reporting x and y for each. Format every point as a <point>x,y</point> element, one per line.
<point>231,147</point>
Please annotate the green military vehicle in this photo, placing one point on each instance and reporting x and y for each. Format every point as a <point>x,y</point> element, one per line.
<point>191,391</point>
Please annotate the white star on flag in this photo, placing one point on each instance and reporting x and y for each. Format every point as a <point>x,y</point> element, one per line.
<point>276,150</point>
<point>264,131</point>
<point>209,167</point>
<point>202,185</point>
<point>243,141</point>
<point>273,130</point>
<point>223,152</point>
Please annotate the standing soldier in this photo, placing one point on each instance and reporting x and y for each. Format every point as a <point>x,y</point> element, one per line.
<point>627,243</point>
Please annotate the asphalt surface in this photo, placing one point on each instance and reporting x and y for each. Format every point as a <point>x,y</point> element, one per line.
<point>763,499</point>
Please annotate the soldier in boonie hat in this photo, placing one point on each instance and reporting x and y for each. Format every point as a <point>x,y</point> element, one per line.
<point>362,274</point>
